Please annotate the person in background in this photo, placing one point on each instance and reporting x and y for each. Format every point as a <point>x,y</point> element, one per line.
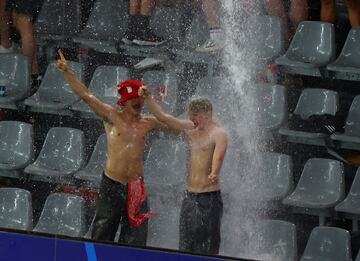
<point>5,20</point>
<point>328,11</point>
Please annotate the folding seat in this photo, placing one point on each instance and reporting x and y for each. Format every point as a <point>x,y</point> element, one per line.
<point>314,114</point>
<point>15,73</point>
<point>63,214</point>
<point>92,172</point>
<point>61,155</point>
<point>350,139</point>
<point>15,209</point>
<point>320,188</point>
<point>350,206</point>
<point>347,65</point>
<point>54,95</point>
<point>58,20</point>
<point>16,147</point>
<point>328,243</point>
<point>163,84</point>
<point>103,86</point>
<point>311,50</point>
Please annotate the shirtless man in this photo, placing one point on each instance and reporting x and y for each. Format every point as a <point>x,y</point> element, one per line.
<point>201,210</point>
<point>126,133</point>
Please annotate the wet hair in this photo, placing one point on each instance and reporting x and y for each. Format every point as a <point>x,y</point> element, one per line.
<point>200,105</point>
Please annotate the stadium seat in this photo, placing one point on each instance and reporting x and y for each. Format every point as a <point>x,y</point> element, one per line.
<point>15,72</point>
<point>58,20</point>
<point>62,214</point>
<point>321,187</point>
<point>103,86</point>
<point>328,243</point>
<point>93,170</point>
<point>54,95</point>
<point>358,256</point>
<point>105,27</point>
<point>16,147</point>
<point>350,139</point>
<point>165,88</point>
<point>347,65</point>
<point>61,156</point>
<point>15,209</point>
<point>311,49</point>
<point>351,204</point>
<point>321,103</point>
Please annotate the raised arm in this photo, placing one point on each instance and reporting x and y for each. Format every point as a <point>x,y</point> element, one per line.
<point>163,117</point>
<point>219,155</point>
<point>104,110</point>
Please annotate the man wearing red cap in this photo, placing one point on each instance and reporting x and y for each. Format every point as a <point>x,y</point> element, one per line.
<point>122,193</point>
<point>202,207</point>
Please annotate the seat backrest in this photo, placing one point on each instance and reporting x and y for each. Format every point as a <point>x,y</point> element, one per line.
<point>63,149</point>
<point>350,52</point>
<point>352,125</point>
<point>108,20</point>
<point>16,142</point>
<point>54,86</point>
<point>15,208</point>
<point>98,157</point>
<point>63,214</point>
<point>328,243</point>
<point>266,36</point>
<point>355,187</point>
<point>317,102</point>
<point>59,17</point>
<point>15,70</point>
<point>276,238</point>
<point>106,78</point>
<point>163,85</point>
<point>198,31</point>
<point>323,179</point>
<point>313,42</point>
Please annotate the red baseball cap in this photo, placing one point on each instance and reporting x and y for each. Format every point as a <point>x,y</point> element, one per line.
<point>128,90</point>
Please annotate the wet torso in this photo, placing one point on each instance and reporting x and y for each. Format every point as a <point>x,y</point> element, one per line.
<point>126,142</point>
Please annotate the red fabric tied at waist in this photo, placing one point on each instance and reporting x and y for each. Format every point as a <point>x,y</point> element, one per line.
<point>136,196</point>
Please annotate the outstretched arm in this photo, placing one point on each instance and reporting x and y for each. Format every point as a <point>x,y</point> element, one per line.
<point>104,110</point>
<point>219,155</point>
<point>169,120</point>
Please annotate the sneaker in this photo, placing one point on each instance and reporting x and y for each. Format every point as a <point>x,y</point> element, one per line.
<point>214,43</point>
<point>149,39</point>
<point>6,50</point>
<point>35,82</point>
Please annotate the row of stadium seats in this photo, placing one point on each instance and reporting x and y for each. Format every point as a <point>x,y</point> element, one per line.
<point>312,52</point>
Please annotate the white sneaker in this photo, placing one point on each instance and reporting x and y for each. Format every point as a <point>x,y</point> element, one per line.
<point>215,43</point>
<point>6,50</point>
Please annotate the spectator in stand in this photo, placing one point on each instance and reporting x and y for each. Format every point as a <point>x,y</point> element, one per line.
<point>138,31</point>
<point>328,11</point>
<point>5,19</point>
<point>293,11</point>
<point>22,17</point>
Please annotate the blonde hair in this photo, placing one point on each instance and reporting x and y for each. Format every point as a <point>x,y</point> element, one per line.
<point>200,105</point>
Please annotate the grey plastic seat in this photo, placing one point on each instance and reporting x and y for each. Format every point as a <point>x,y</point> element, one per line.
<point>94,168</point>
<point>63,214</point>
<point>165,88</point>
<point>321,186</point>
<point>15,71</point>
<point>61,155</point>
<point>106,25</point>
<point>16,147</point>
<point>347,65</point>
<point>103,86</point>
<point>319,102</point>
<point>351,204</point>
<point>350,139</point>
<point>358,256</point>
<point>54,94</point>
<point>328,244</point>
<point>58,20</point>
<point>312,48</point>
<point>15,208</point>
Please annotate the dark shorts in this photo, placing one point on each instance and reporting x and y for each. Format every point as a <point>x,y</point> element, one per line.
<point>28,7</point>
<point>111,210</point>
<point>200,221</point>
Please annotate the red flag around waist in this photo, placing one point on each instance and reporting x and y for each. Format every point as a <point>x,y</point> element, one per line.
<point>136,196</point>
